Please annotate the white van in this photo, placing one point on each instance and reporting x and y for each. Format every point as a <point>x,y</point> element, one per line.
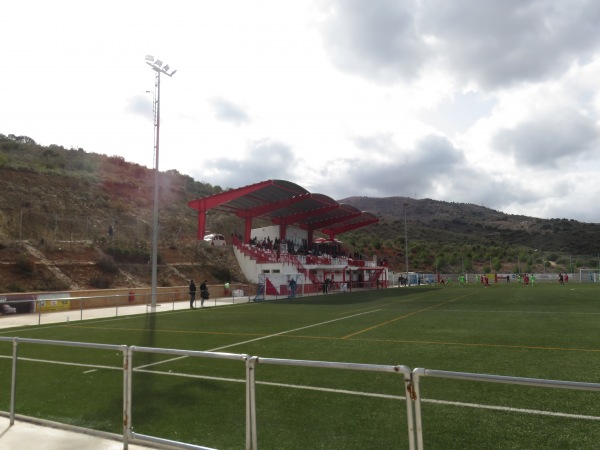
<point>215,239</point>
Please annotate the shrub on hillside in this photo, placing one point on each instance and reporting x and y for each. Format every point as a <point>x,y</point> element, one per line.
<point>136,253</point>
<point>25,264</point>
<point>51,284</point>
<point>15,287</point>
<point>107,264</point>
<point>221,273</point>
<point>100,282</point>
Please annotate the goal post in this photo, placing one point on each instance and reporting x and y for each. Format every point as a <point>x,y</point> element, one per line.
<point>589,275</point>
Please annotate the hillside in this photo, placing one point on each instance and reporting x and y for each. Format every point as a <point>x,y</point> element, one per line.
<point>456,237</point>
<point>56,208</point>
<point>478,222</point>
<point>58,204</point>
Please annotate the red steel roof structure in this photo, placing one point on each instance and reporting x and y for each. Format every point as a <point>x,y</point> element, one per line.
<point>283,203</point>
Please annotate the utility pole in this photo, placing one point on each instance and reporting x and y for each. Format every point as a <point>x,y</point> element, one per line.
<point>157,66</point>
<point>406,243</point>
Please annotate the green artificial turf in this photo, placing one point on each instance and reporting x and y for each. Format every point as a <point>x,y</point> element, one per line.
<point>548,331</point>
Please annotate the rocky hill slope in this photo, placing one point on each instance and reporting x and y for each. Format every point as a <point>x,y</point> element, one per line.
<point>56,209</point>
<point>57,206</point>
<point>480,224</point>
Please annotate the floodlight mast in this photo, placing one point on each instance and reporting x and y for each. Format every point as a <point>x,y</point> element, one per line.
<point>406,243</point>
<point>157,66</point>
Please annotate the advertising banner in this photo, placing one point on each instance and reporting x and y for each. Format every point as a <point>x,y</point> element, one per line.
<point>54,302</point>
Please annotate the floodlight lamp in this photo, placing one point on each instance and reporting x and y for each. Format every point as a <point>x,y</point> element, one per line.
<point>158,63</point>
<point>150,58</point>
<point>166,68</point>
<point>173,73</point>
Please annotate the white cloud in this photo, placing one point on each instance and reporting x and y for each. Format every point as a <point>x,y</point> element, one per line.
<point>489,103</point>
<point>228,111</point>
<point>555,141</point>
<point>500,44</point>
<point>378,40</point>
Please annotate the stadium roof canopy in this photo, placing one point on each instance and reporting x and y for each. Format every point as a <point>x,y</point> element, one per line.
<point>283,203</point>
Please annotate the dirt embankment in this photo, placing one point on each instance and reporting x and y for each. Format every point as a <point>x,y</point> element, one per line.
<point>25,267</point>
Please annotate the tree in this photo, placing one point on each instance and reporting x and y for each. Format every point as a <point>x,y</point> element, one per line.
<point>496,264</point>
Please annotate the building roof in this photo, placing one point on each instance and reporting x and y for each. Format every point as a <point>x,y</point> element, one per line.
<point>286,203</point>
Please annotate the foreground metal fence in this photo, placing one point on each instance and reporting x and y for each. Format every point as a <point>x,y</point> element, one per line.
<point>417,374</point>
<point>410,380</point>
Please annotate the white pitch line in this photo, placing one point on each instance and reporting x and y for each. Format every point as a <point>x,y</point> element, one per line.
<point>330,390</point>
<point>258,339</point>
<point>159,362</point>
<point>390,396</point>
<point>291,331</point>
<point>64,363</point>
<point>491,311</point>
<point>509,409</point>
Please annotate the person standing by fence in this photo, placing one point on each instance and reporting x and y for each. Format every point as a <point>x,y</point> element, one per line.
<point>203,293</point>
<point>192,294</point>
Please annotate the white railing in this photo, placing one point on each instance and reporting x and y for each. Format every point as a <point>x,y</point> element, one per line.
<point>411,388</point>
<point>85,307</point>
<point>417,374</point>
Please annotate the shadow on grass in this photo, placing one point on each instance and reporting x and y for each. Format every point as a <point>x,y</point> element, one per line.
<point>350,298</point>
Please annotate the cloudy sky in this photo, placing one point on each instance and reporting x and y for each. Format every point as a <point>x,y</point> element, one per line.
<point>493,103</point>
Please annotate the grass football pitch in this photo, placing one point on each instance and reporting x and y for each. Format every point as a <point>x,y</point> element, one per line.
<point>549,331</point>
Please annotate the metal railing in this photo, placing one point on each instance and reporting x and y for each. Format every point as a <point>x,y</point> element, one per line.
<point>83,307</point>
<point>250,362</point>
<point>419,373</point>
<point>411,388</point>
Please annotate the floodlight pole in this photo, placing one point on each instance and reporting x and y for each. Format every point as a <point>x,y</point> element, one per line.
<point>158,67</point>
<point>570,265</point>
<point>406,244</point>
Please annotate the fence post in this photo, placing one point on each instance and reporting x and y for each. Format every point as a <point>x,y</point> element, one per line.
<point>251,435</point>
<point>13,383</point>
<point>127,393</point>
<point>416,376</point>
<point>411,398</point>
